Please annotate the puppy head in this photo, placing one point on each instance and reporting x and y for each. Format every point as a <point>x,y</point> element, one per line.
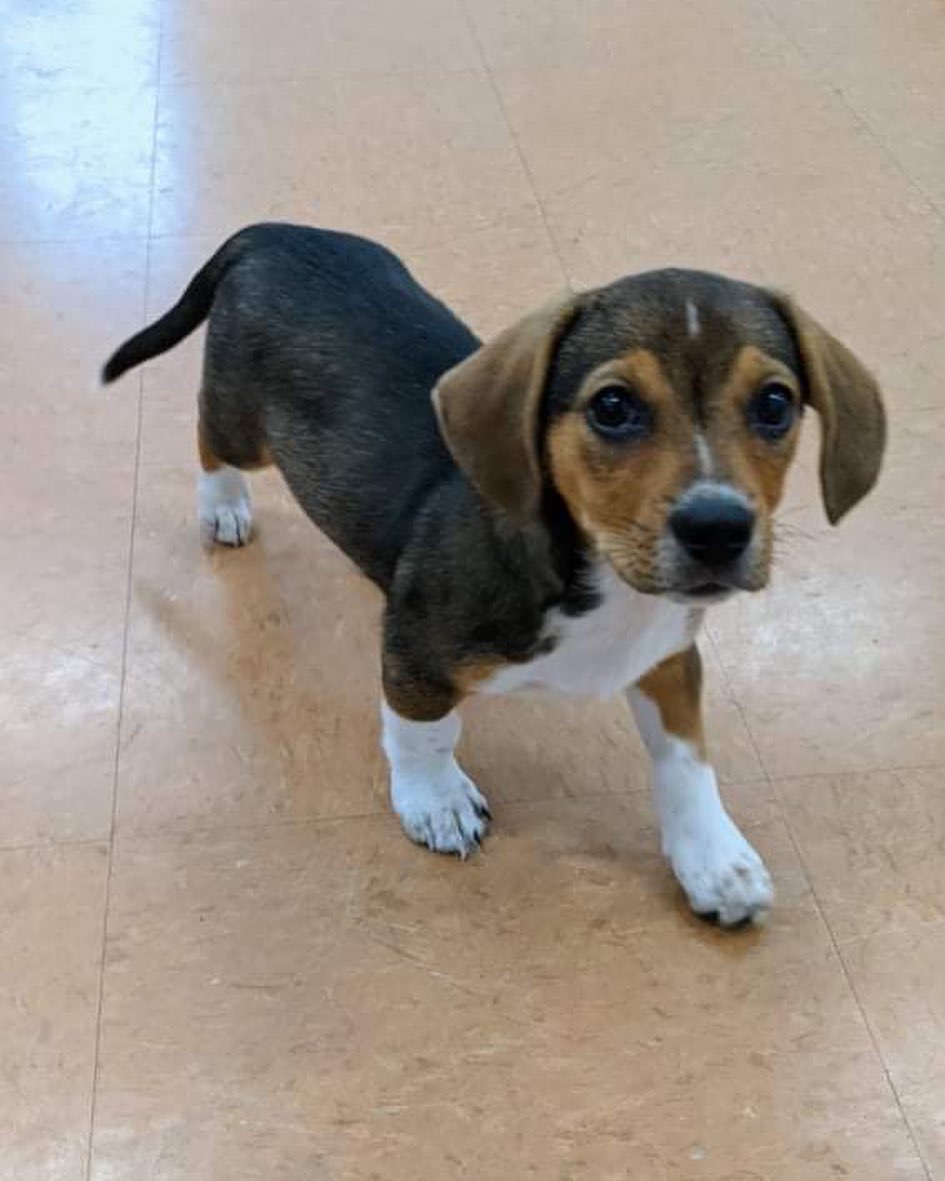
<point>664,410</point>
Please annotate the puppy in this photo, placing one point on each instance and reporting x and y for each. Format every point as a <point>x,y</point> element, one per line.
<point>554,509</point>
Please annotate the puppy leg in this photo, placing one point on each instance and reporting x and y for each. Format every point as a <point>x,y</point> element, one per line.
<point>438,805</point>
<point>721,873</point>
<point>224,509</point>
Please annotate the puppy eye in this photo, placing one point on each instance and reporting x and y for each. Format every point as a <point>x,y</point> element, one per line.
<point>771,411</point>
<point>618,414</point>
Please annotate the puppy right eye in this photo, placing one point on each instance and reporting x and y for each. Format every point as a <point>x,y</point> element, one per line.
<point>619,415</point>
<point>771,412</point>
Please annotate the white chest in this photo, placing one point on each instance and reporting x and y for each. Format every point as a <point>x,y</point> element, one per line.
<point>605,650</point>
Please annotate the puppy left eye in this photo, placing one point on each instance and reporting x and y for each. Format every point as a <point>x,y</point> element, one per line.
<point>618,414</point>
<point>771,411</point>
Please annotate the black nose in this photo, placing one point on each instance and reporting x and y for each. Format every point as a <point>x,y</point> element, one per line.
<point>713,528</point>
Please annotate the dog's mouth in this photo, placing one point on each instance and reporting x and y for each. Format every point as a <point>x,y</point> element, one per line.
<point>693,584</point>
<point>709,590</point>
<point>705,593</point>
<point>705,588</point>
<point>692,593</point>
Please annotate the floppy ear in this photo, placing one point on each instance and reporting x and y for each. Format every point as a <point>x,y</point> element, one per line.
<point>488,408</point>
<point>847,399</point>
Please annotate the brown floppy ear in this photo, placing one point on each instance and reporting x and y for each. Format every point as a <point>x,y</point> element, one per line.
<point>847,399</point>
<point>488,408</point>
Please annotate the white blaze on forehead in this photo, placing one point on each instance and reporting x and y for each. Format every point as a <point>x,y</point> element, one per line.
<point>704,453</point>
<point>693,326</point>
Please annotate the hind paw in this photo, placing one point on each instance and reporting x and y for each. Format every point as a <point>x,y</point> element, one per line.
<point>224,508</point>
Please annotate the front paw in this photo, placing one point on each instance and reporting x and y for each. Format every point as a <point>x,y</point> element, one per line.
<point>448,813</point>
<point>722,875</point>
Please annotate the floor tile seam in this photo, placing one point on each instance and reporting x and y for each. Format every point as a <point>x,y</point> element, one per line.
<point>483,227</point>
<point>773,789</point>
<point>224,830</point>
<point>45,86</point>
<point>836,944</point>
<point>913,182</point>
<point>28,635</point>
<point>841,961</point>
<point>895,769</point>
<point>649,158</point>
<point>116,770</point>
<point>174,834</point>
<point>67,240</point>
<point>639,790</point>
<point>850,942</point>
<point>782,809</point>
<point>674,144</point>
<point>819,74</point>
<point>54,844</point>
<point>499,99</point>
<point>330,74</point>
<point>249,82</point>
<point>861,118</point>
<point>874,1040</point>
<point>774,777</point>
<point>774,781</point>
<point>116,766</point>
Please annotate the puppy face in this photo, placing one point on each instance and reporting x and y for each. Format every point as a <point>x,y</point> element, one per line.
<point>664,410</point>
<point>672,414</point>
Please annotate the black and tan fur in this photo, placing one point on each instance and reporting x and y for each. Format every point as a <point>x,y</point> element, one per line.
<point>462,478</point>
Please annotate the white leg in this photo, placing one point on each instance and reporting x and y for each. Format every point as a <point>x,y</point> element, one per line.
<point>720,872</point>
<point>223,506</point>
<point>437,804</point>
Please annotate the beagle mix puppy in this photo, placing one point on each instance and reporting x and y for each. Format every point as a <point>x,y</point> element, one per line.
<point>554,509</point>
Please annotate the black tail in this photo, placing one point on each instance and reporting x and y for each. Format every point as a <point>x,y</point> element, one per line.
<point>188,313</point>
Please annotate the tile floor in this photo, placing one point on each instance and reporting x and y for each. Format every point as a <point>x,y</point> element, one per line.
<point>219,959</point>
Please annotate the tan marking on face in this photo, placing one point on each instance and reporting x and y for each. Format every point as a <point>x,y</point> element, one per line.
<point>755,466</point>
<point>621,494</point>
<point>675,688</point>
<point>704,455</point>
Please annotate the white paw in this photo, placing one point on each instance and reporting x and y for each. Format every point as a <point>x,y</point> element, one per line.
<point>447,814</point>
<point>223,507</point>
<point>721,873</point>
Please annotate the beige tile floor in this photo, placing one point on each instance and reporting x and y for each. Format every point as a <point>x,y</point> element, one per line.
<point>219,959</point>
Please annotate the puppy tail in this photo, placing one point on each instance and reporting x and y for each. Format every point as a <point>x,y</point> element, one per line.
<point>188,313</point>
